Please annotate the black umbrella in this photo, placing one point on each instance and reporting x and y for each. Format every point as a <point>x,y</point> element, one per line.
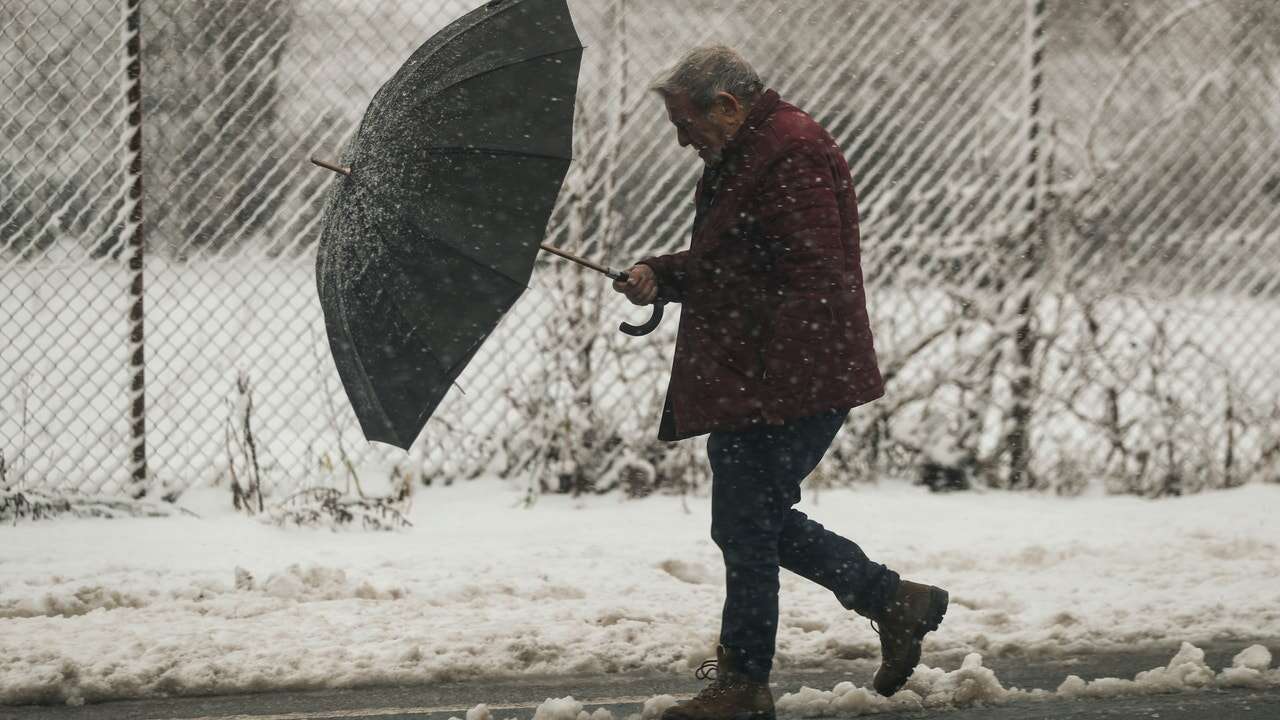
<point>431,233</point>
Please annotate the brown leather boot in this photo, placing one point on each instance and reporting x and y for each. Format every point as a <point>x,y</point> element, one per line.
<point>730,696</point>
<point>914,611</point>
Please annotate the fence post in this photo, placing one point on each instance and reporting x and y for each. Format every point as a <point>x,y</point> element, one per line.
<point>1023,384</point>
<point>137,387</point>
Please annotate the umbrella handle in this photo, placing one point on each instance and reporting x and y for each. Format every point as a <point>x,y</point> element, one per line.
<point>648,327</point>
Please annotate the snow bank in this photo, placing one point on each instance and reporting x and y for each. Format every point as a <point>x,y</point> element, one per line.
<point>481,588</point>
<point>974,685</point>
<point>65,598</point>
<point>971,685</point>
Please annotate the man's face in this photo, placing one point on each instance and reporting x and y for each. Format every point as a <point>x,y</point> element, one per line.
<point>706,131</point>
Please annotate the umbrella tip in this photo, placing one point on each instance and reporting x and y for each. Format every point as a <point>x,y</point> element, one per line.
<point>330,166</point>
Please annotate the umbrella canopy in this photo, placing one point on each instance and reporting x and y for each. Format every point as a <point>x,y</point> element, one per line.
<point>432,235</point>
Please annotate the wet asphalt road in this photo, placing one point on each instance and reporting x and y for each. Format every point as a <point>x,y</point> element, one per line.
<point>624,695</point>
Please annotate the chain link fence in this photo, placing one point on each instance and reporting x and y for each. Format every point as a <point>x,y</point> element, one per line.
<point>1070,241</point>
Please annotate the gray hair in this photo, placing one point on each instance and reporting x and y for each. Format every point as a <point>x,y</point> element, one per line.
<point>707,71</point>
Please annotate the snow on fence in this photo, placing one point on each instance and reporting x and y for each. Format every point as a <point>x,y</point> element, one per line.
<point>1070,236</point>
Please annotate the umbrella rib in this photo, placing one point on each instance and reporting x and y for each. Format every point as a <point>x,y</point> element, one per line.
<point>459,252</point>
<point>447,371</point>
<point>451,372</point>
<point>397,79</point>
<point>342,315</point>
<point>479,263</point>
<point>362,375</point>
<point>477,19</point>
<point>490,150</point>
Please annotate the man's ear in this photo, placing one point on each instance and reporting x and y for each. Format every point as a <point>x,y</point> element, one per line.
<point>725,104</point>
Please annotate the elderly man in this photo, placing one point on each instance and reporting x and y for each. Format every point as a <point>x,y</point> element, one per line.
<point>774,349</point>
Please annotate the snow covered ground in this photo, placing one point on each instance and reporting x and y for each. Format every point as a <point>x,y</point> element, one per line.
<point>482,587</point>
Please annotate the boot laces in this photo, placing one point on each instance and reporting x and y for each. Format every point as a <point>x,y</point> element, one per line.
<point>709,670</point>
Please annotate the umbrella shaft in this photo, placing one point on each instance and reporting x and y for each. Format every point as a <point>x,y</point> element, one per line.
<point>331,166</point>
<point>585,263</point>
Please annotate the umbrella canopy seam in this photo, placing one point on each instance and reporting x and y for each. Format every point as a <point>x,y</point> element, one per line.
<point>521,61</point>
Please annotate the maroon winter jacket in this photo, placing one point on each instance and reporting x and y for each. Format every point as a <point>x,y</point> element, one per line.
<point>774,323</point>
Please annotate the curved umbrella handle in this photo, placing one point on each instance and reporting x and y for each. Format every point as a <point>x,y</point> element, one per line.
<point>648,327</point>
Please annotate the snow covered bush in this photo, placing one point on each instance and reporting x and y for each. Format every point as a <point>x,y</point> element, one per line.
<point>27,505</point>
<point>327,507</point>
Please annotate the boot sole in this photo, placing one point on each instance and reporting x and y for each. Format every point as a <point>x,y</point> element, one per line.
<point>938,601</point>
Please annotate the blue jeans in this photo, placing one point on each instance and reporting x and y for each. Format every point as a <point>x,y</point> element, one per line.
<point>756,475</point>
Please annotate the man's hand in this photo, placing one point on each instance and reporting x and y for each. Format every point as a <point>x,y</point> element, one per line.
<point>641,287</point>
